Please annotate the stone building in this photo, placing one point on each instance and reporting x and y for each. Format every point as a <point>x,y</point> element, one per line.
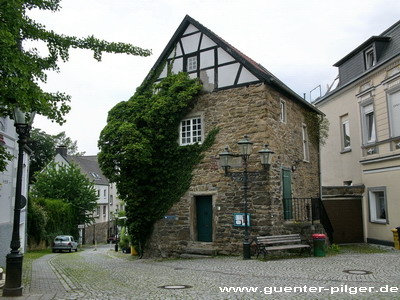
<point>240,98</point>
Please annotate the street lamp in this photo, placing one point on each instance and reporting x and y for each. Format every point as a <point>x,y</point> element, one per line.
<point>245,147</point>
<point>13,287</point>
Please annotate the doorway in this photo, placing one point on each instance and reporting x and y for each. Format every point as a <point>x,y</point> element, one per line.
<point>287,193</point>
<point>204,216</point>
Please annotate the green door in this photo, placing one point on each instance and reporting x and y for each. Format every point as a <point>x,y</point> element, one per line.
<point>204,218</point>
<point>287,193</point>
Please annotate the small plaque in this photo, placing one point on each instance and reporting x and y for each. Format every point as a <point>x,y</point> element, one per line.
<point>238,219</point>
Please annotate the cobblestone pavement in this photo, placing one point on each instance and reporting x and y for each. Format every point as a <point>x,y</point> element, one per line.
<point>104,274</point>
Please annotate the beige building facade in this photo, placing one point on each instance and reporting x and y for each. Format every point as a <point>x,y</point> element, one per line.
<point>363,148</point>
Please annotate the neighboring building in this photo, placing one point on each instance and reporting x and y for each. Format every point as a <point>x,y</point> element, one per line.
<point>241,98</point>
<point>9,138</point>
<point>363,148</point>
<point>107,198</point>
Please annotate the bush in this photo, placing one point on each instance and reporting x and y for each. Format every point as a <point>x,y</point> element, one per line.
<point>124,241</point>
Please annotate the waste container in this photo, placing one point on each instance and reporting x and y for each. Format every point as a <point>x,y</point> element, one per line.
<point>396,232</point>
<point>319,244</point>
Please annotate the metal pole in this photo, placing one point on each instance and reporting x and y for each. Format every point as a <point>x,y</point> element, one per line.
<point>13,286</point>
<point>246,243</point>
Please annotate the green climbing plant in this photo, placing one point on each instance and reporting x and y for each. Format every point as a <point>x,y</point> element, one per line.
<point>139,150</point>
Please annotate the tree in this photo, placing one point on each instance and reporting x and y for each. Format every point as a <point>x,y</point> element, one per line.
<point>139,151</point>
<point>43,148</point>
<point>67,183</point>
<point>22,70</point>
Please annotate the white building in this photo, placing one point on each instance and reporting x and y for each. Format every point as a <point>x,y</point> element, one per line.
<point>9,138</point>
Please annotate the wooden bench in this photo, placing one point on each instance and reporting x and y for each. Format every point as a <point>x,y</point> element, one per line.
<point>279,242</point>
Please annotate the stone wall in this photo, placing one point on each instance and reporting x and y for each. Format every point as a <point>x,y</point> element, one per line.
<point>96,232</point>
<point>252,111</point>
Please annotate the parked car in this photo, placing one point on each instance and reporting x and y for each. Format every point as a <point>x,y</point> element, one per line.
<point>64,242</point>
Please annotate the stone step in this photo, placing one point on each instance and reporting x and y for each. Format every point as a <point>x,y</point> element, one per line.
<point>201,251</point>
<point>187,255</point>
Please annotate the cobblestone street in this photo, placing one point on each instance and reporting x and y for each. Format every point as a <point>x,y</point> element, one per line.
<point>104,274</point>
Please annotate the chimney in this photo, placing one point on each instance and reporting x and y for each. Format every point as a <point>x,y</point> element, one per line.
<point>62,150</point>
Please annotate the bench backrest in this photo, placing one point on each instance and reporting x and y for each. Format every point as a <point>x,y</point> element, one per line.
<point>279,239</point>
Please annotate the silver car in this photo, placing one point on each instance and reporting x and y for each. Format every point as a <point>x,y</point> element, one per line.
<point>64,242</point>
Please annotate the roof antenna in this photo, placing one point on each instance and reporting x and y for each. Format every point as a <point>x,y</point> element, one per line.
<point>318,87</point>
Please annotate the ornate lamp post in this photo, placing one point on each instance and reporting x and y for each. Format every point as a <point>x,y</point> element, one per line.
<point>13,287</point>
<point>245,147</point>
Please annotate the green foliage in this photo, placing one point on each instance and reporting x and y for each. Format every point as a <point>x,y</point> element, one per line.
<point>48,218</point>
<point>23,70</point>
<point>5,157</point>
<point>124,238</point>
<point>333,249</point>
<point>67,183</point>
<point>140,151</point>
<point>317,127</point>
<point>37,220</point>
<point>43,148</point>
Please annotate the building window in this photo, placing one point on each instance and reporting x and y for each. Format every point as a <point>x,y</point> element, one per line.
<point>191,131</point>
<point>105,193</point>
<point>377,205</point>
<point>97,211</point>
<point>283,111</point>
<point>345,133</point>
<point>104,210</point>
<point>111,199</point>
<point>192,64</point>
<point>98,193</point>
<point>368,123</point>
<point>306,151</point>
<point>369,57</point>
<point>394,113</point>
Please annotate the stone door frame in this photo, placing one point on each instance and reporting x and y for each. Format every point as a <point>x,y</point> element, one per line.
<point>193,214</point>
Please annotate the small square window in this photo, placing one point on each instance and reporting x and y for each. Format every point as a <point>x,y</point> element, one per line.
<point>283,111</point>
<point>377,205</point>
<point>369,56</point>
<point>306,151</point>
<point>192,64</point>
<point>191,131</point>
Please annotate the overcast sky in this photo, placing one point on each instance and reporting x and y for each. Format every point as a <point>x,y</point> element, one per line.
<point>298,41</point>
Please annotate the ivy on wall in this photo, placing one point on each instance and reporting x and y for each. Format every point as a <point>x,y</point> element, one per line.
<point>317,127</point>
<point>139,150</point>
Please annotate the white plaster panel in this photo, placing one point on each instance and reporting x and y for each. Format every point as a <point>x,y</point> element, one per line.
<point>164,72</point>
<point>191,43</point>
<point>207,78</point>
<point>177,66</point>
<point>246,76</point>
<point>223,56</point>
<point>193,75</point>
<point>227,75</point>
<point>206,59</point>
<point>206,42</point>
<point>176,52</point>
<point>190,29</point>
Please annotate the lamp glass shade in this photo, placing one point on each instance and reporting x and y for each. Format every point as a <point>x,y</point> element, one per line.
<point>225,158</point>
<point>266,156</point>
<point>21,117</point>
<point>245,146</point>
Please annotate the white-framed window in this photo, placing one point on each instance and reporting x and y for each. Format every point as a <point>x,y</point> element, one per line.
<point>345,132</point>
<point>191,64</point>
<point>394,113</point>
<point>306,151</point>
<point>98,193</point>
<point>369,57</point>
<point>105,193</point>
<point>191,131</point>
<point>111,199</point>
<point>368,123</point>
<point>97,211</point>
<point>283,111</point>
<point>377,205</point>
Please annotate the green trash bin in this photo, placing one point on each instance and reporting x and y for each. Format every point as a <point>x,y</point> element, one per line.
<point>319,244</point>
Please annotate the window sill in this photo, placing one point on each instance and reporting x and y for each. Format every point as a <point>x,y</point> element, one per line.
<point>345,151</point>
<point>383,222</point>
